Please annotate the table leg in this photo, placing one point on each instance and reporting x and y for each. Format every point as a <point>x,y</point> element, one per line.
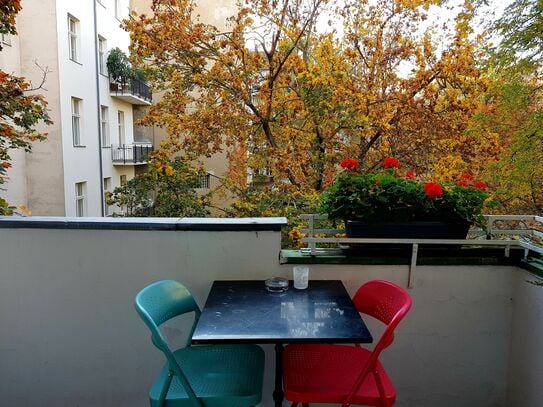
<point>278,392</point>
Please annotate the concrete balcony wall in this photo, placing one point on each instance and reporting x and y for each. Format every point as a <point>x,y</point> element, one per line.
<point>69,334</point>
<point>525,387</point>
<point>68,329</point>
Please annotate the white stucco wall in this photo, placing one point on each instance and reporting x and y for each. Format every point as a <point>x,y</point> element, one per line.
<point>79,80</point>
<point>526,358</point>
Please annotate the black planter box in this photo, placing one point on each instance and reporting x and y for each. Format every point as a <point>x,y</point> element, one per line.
<point>407,230</point>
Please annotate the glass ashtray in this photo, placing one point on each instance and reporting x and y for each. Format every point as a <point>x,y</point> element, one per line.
<point>277,284</point>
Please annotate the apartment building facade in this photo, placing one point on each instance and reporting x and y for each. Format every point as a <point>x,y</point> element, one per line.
<point>93,145</point>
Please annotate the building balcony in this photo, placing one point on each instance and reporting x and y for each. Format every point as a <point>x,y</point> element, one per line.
<point>134,92</point>
<point>130,154</point>
<point>67,286</point>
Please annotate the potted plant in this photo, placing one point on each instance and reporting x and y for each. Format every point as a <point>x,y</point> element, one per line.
<point>119,69</point>
<point>393,204</point>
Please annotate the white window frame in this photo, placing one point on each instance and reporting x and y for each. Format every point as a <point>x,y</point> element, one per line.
<point>5,39</point>
<point>204,181</point>
<point>118,9</point>
<point>77,134</point>
<point>73,38</point>
<point>104,125</point>
<point>121,127</point>
<point>102,55</point>
<point>80,199</point>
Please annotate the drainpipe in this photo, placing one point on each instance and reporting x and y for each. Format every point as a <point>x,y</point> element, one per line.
<point>98,113</point>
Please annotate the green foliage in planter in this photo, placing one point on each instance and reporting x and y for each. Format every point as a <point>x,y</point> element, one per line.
<point>118,66</point>
<point>387,197</point>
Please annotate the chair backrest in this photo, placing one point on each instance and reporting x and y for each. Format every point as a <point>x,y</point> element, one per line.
<point>162,301</point>
<point>158,303</point>
<point>389,304</point>
<point>386,302</point>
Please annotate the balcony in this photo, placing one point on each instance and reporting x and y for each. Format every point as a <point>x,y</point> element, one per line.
<point>473,337</point>
<point>130,154</point>
<point>134,92</point>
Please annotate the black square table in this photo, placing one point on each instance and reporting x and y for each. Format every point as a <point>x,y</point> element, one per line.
<point>245,312</point>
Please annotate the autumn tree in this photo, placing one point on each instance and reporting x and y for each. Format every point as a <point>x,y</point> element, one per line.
<point>163,191</point>
<point>511,112</point>
<point>20,110</point>
<point>282,90</point>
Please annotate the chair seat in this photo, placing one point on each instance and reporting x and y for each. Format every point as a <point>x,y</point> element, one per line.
<point>323,373</point>
<point>221,376</point>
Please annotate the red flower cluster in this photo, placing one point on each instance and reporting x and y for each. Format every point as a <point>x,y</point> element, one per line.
<point>390,162</point>
<point>410,174</point>
<point>463,183</point>
<point>467,180</point>
<point>349,164</point>
<point>433,190</point>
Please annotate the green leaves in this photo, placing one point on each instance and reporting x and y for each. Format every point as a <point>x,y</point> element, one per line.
<point>386,197</point>
<point>167,190</point>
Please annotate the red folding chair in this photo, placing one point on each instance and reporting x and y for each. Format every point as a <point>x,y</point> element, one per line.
<point>327,373</point>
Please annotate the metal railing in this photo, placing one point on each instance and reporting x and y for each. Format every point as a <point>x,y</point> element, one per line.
<point>133,87</point>
<point>130,153</point>
<point>524,237</point>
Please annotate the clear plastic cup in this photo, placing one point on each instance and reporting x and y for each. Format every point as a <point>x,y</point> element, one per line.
<point>301,277</point>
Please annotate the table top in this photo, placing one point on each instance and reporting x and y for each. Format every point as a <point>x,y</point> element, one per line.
<point>245,312</point>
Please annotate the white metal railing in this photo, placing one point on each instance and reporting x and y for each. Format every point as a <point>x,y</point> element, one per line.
<point>526,238</point>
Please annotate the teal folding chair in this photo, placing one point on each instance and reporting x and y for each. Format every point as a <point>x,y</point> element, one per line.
<point>210,376</point>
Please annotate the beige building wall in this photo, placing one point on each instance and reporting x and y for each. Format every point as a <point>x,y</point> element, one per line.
<point>15,186</point>
<point>36,23</point>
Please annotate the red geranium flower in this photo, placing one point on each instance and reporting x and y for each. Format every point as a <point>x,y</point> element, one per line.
<point>467,176</point>
<point>462,183</point>
<point>410,174</point>
<point>480,185</point>
<point>433,190</point>
<point>349,163</point>
<point>390,162</point>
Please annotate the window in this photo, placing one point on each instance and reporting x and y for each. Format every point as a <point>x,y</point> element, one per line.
<point>120,126</point>
<point>122,180</point>
<point>76,121</point>
<point>102,52</point>
<point>203,181</point>
<point>73,38</point>
<point>104,125</point>
<point>107,192</point>
<point>5,39</point>
<point>80,199</point>
<point>118,10</point>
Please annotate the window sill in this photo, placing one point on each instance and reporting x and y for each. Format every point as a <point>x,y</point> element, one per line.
<point>77,62</point>
<point>80,146</point>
